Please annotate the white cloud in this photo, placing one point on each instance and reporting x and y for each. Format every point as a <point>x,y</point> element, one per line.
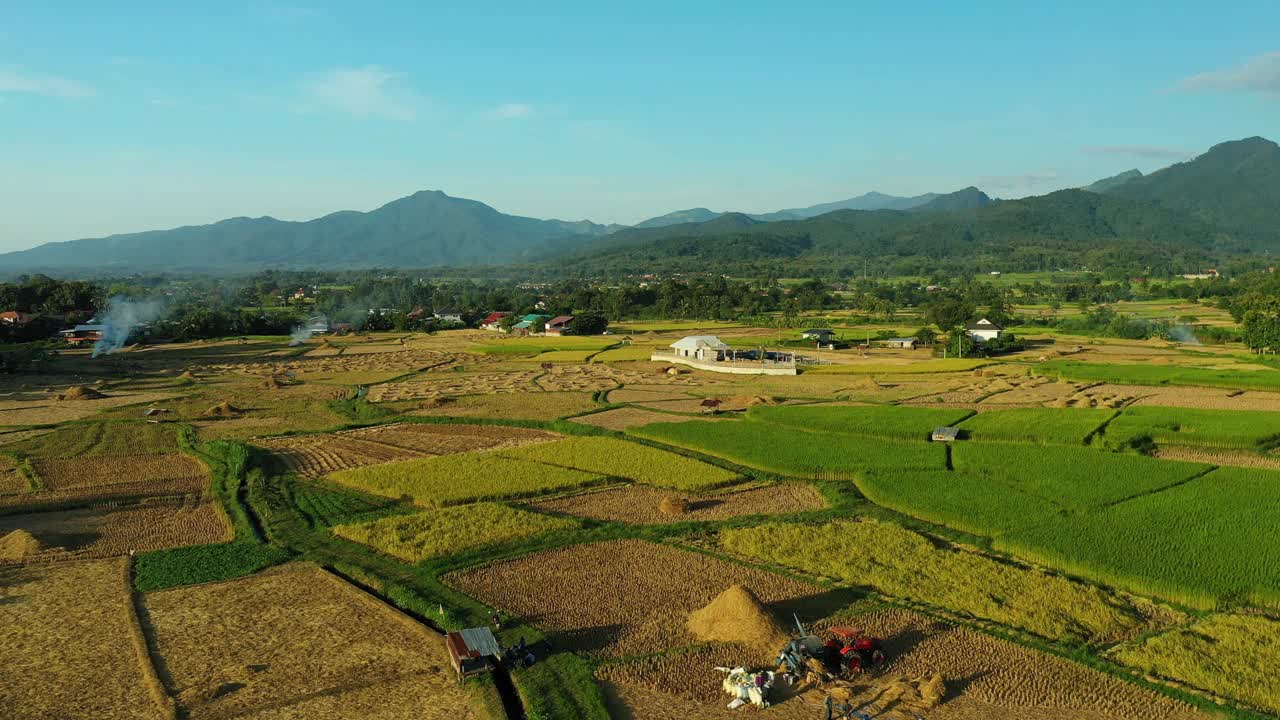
<point>513,110</point>
<point>18,80</point>
<point>1156,152</point>
<point>1260,74</point>
<point>369,91</point>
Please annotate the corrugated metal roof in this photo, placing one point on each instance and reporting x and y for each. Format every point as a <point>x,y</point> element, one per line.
<point>480,642</point>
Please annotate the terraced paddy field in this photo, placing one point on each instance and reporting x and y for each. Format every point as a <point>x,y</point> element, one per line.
<point>72,646</point>
<point>298,642</point>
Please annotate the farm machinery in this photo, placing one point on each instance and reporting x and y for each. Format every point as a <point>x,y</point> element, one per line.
<point>846,653</point>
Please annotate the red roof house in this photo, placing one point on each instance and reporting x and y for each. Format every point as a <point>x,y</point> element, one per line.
<point>14,317</point>
<point>490,321</point>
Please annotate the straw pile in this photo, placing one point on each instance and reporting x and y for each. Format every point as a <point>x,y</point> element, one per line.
<point>222,409</point>
<point>672,505</point>
<point>187,375</point>
<point>80,392</point>
<point>738,616</point>
<point>20,544</point>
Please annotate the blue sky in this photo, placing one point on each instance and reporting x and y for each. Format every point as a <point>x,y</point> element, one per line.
<point>133,115</point>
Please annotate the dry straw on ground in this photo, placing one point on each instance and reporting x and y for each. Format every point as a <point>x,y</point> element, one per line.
<point>67,650</point>
<point>629,597</point>
<point>641,505</point>
<point>299,643</point>
<point>321,454</point>
<point>108,532</point>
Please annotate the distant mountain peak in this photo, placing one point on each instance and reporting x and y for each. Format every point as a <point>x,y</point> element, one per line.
<point>1114,181</point>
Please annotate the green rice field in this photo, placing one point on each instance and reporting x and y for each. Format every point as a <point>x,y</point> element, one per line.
<point>1065,426</point>
<point>903,423</point>
<point>1223,429</point>
<point>1160,375</point>
<point>437,533</point>
<point>616,458</point>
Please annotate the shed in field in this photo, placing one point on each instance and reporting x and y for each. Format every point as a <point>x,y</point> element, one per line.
<point>472,651</point>
<point>945,434</point>
<point>901,343</point>
<point>820,335</point>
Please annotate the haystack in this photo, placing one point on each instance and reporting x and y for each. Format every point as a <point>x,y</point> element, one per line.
<point>752,401</point>
<point>222,409</point>
<point>187,375</point>
<point>672,505</point>
<point>738,616</point>
<point>20,544</point>
<point>80,392</point>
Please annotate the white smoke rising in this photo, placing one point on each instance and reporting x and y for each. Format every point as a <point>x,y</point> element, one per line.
<point>123,316</point>
<point>1183,334</point>
<point>299,334</point>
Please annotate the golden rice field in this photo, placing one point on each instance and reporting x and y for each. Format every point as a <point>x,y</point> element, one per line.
<point>628,460</point>
<point>639,504</point>
<point>297,642</point>
<point>44,408</point>
<point>11,479</point>
<point>1232,655</point>
<point>903,564</point>
<point>628,597</point>
<point>108,532</point>
<point>437,533</point>
<point>72,647</point>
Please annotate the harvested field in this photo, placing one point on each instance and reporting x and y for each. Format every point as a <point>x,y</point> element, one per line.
<point>7,438</point>
<point>170,473</point>
<point>108,532</point>
<point>298,642</point>
<point>1212,456</point>
<point>451,386</point>
<point>70,648</point>
<point>11,480</point>
<point>629,597</point>
<point>102,438</point>
<point>241,427</point>
<point>628,394</point>
<point>638,504</point>
<point>38,408</point>
<point>984,678</point>
<point>623,418</point>
<point>399,359</point>
<point>318,455</point>
<point>524,406</point>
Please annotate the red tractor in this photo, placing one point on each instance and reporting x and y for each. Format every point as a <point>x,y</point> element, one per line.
<point>851,651</point>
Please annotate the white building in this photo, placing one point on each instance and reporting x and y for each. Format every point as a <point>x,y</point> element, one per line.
<point>984,330</point>
<point>699,347</point>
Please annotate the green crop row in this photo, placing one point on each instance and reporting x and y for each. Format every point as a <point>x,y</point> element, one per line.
<point>616,458</point>
<point>468,477</point>
<point>997,488</point>
<point>1228,429</point>
<point>1213,540</point>
<point>1160,375</point>
<point>437,533</point>
<point>325,507</point>
<point>904,564</point>
<point>1062,426</point>
<point>794,452</point>
<point>904,423</point>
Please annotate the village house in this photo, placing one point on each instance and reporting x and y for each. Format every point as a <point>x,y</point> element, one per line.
<point>527,323</point>
<point>820,336</point>
<point>319,324</point>
<point>559,325</point>
<point>83,334</point>
<point>14,318</point>
<point>708,352</point>
<point>448,315</point>
<point>493,321</point>
<point>901,343</point>
<point>984,330</point>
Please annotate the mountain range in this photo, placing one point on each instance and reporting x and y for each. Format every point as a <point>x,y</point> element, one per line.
<point>1221,202</point>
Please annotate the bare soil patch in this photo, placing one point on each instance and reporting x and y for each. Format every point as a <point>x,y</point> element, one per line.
<point>640,504</point>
